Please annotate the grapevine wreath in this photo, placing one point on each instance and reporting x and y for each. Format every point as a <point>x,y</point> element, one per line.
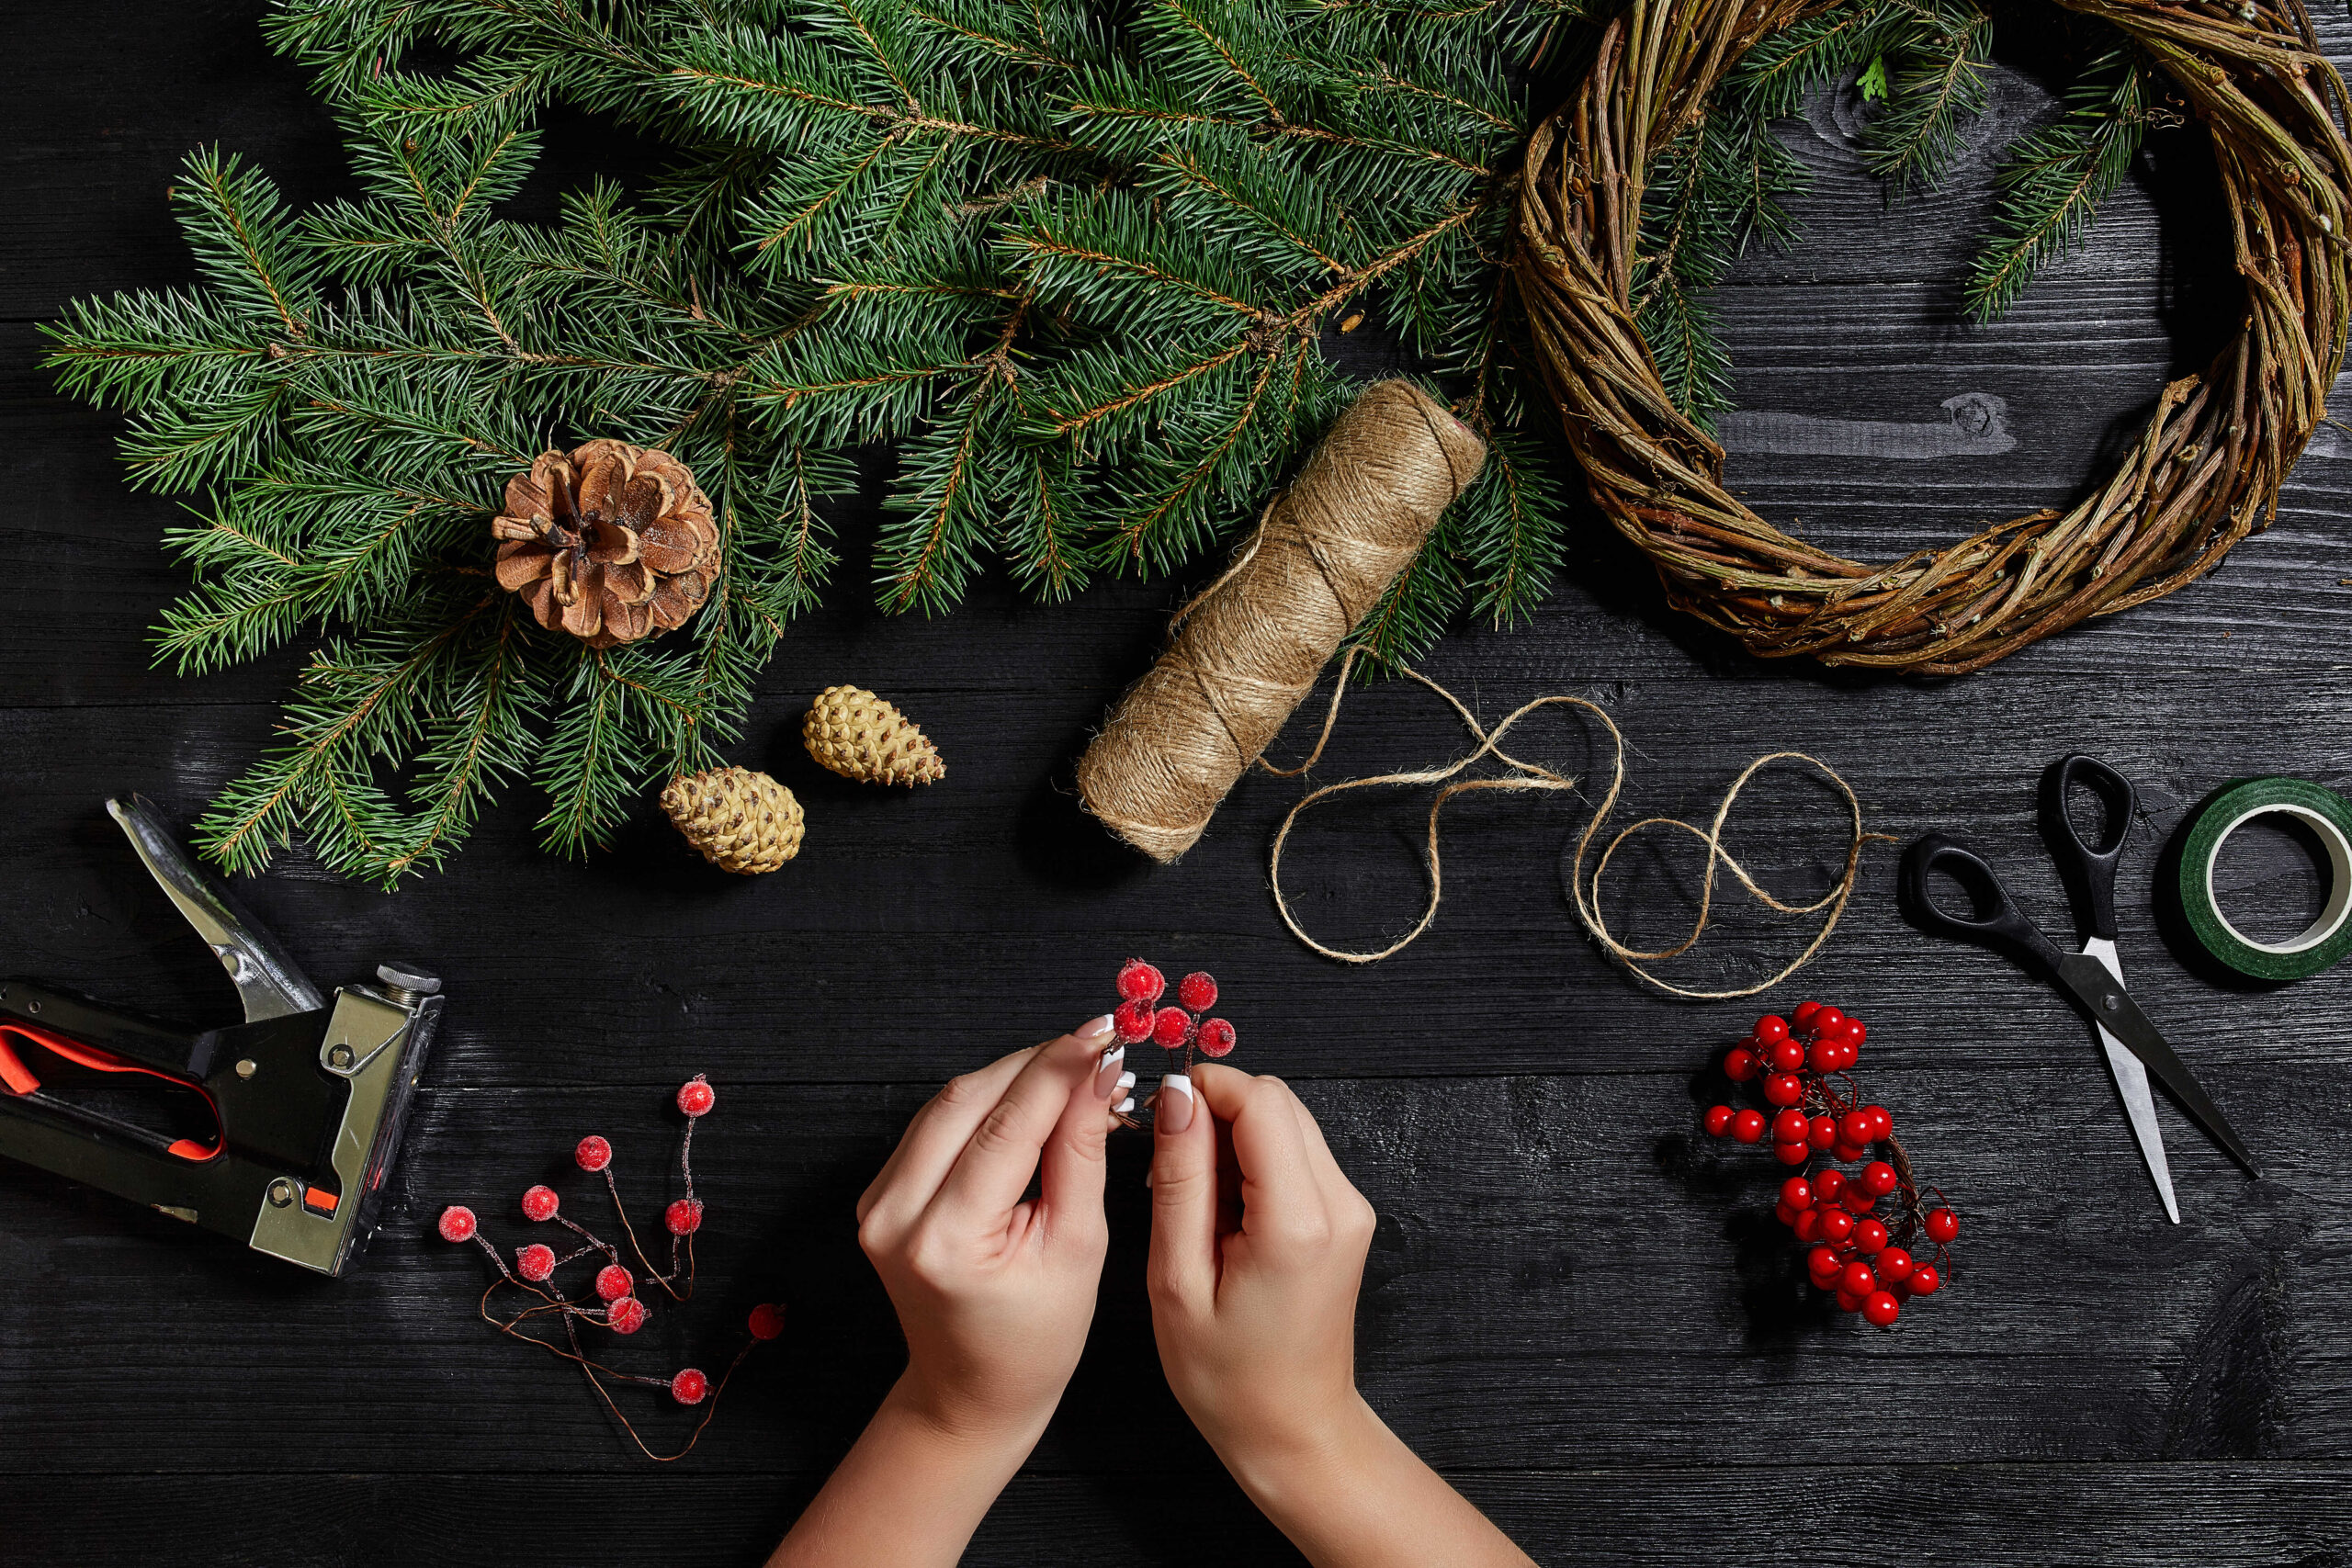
<point>2204,474</point>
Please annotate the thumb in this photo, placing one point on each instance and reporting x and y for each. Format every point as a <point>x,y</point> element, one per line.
<point>1183,1268</point>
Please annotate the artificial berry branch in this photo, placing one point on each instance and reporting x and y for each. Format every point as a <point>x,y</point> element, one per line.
<point>1867,1257</point>
<point>617,1305</point>
<point>1138,1018</point>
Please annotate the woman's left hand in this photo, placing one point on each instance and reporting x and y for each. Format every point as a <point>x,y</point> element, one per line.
<point>994,1290</point>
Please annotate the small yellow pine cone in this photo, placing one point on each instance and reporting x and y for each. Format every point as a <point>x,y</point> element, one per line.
<point>859,735</point>
<point>741,821</point>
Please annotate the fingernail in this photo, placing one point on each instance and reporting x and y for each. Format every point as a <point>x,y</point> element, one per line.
<point>1127,1081</point>
<point>1175,1108</point>
<point>1093,1029</point>
<point>1106,1076</point>
<point>1126,1105</point>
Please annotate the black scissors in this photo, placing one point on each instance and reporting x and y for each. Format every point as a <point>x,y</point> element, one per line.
<point>2093,977</point>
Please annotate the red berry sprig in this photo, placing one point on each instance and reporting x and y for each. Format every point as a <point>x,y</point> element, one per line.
<point>1138,1018</point>
<point>617,1305</point>
<point>1868,1258</point>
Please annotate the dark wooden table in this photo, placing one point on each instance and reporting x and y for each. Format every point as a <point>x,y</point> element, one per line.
<point>1576,1308</point>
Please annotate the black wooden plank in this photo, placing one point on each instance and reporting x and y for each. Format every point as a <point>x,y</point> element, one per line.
<point>1564,1267</point>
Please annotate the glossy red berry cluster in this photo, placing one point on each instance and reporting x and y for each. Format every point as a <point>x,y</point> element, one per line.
<point>617,1304</point>
<point>1868,1256</point>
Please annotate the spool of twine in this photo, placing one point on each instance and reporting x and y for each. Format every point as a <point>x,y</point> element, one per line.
<point>1246,650</point>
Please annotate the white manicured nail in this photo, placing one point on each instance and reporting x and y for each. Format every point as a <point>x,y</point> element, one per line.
<point>1094,1029</point>
<point>1107,1077</point>
<point>1174,1111</point>
<point>1126,1080</point>
<point>1126,1105</point>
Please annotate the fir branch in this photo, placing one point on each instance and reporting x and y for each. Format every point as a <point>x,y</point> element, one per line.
<point>2055,178</point>
<point>1942,49</point>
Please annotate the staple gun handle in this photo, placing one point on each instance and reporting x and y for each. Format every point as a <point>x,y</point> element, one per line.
<point>268,981</point>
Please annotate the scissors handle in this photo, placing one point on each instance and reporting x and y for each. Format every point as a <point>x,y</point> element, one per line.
<point>2088,866</point>
<point>1994,919</point>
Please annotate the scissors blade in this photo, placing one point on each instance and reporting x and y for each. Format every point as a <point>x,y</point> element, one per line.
<point>2112,1007</point>
<point>2131,1082</point>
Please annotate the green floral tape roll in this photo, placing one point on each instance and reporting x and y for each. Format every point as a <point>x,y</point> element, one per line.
<point>2322,810</point>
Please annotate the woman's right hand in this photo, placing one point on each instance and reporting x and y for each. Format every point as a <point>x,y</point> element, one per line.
<point>1258,1246</point>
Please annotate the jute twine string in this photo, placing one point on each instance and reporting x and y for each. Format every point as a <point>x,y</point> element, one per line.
<point>1246,650</point>
<point>1526,776</point>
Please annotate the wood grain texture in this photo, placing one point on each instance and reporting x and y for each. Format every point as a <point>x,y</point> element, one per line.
<point>1577,1306</point>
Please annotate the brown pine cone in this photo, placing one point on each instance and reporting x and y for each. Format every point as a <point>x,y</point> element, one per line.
<point>741,821</point>
<point>612,543</point>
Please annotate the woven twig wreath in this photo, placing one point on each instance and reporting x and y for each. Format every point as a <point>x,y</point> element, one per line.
<point>2205,474</point>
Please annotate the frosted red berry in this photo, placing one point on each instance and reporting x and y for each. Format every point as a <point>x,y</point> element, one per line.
<point>1879,1308</point>
<point>1216,1038</point>
<point>593,1153</point>
<point>690,1387</point>
<point>1942,1225</point>
<point>1139,982</point>
<point>1131,1021</point>
<point>457,1223</point>
<point>1719,1119</point>
<point>1923,1281</point>
<point>1747,1126</point>
<point>1739,1064</point>
<point>683,1217</point>
<point>613,1281</point>
<point>1170,1027</point>
<point>696,1097</point>
<point>767,1321</point>
<point>626,1316</point>
<point>539,1203</point>
<point>1197,991</point>
<point>535,1262</point>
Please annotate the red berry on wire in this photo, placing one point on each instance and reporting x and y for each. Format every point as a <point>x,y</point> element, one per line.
<point>683,1217</point>
<point>1747,1126</point>
<point>1808,1226</point>
<point>1797,1193</point>
<point>1834,1225</point>
<point>1855,1032</point>
<point>535,1262</point>
<point>1829,1021</point>
<point>1784,1088</point>
<point>1197,991</point>
<point>1170,1027</point>
<point>1855,1128</point>
<point>1826,1185</point>
<point>1806,1012</point>
<point>613,1281</point>
<point>1881,1121</point>
<point>539,1203</point>
<point>1739,1064</point>
<point>1791,1153</point>
<point>1824,1055</point>
<point>696,1097</point>
<point>1824,1135</point>
<point>1869,1238</point>
<point>1783,1213</point>
<point>1855,1196</point>
<point>1786,1055</point>
<point>1924,1280</point>
<point>1894,1264</point>
<point>1846,1151</point>
<point>1858,1279</point>
<point>1772,1029</point>
<point>1881,1308</point>
<point>767,1320</point>
<point>1131,1021</point>
<point>626,1316</point>
<point>1139,982</point>
<point>689,1387</point>
<point>457,1223</point>
<point>1790,1127</point>
<point>1719,1118</point>
<point>1216,1038</point>
<point>1847,1301</point>
<point>1821,1263</point>
<point>1942,1225</point>
<point>1878,1179</point>
<point>593,1153</point>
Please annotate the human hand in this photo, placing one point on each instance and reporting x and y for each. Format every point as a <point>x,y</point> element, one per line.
<point>1258,1246</point>
<point>995,1293</point>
